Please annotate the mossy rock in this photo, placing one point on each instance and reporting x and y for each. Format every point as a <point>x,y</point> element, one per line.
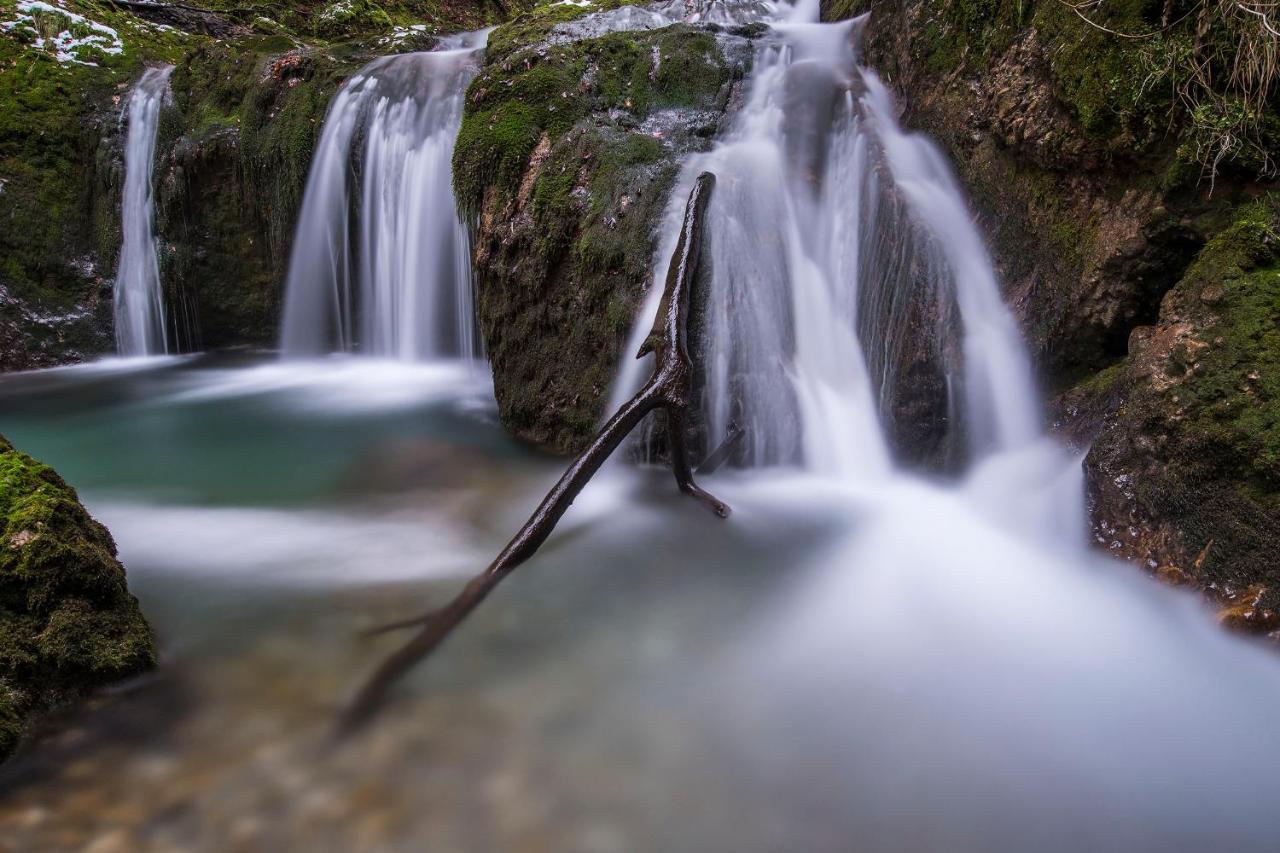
<point>68,624</point>
<point>566,155</point>
<point>1186,463</point>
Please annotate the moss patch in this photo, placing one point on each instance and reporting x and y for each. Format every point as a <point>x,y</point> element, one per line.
<point>518,98</point>
<point>1189,452</point>
<point>67,621</point>
<point>1230,396</point>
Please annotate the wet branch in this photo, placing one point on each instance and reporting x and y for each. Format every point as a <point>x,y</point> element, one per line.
<point>668,388</point>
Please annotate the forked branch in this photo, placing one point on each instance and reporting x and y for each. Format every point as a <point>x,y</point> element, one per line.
<point>669,388</point>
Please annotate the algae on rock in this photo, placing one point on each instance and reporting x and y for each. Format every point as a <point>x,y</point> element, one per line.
<point>566,152</point>
<point>1185,466</point>
<point>68,624</point>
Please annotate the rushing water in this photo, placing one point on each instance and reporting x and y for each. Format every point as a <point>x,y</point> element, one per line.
<point>381,262</point>
<point>859,658</point>
<point>139,301</point>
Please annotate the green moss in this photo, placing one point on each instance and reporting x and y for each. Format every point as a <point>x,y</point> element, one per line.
<point>1135,85</point>
<point>518,99</point>
<point>67,621</point>
<point>841,10</point>
<point>969,32</point>
<point>554,329</point>
<point>535,25</point>
<point>1233,392</point>
<point>1101,76</point>
<point>1098,385</point>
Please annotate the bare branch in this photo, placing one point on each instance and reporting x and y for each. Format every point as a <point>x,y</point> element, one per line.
<point>668,388</point>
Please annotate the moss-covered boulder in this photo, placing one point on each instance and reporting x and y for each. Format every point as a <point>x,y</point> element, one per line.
<point>1184,468</point>
<point>569,143</point>
<point>68,624</point>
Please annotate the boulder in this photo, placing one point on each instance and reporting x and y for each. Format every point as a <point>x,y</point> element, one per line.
<point>68,624</point>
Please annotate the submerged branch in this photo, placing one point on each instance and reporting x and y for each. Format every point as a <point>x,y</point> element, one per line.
<point>668,389</point>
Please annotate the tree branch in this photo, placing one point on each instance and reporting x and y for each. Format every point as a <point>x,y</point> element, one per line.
<point>668,388</point>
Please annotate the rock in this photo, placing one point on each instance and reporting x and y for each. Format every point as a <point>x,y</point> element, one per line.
<point>1185,432</point>
<point>1245,613</point>
<point>68,624</point>
<point>569,143</point>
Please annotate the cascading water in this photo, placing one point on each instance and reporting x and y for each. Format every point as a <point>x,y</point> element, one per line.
<point>138,301</point>
<point>381,262</point>
<point>841,251</point>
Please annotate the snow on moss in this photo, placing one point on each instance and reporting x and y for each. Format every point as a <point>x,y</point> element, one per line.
<point>37,20</point>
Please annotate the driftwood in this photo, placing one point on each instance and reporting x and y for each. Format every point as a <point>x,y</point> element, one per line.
<point>668,389</point>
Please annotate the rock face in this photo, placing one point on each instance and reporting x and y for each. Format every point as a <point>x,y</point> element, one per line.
<point>1184,471</point>
<point>1145,283</point>
<point>68,624</point>
<point>234,149</point>
<point>569,143</point>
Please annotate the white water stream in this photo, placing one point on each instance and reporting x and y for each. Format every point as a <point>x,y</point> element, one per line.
<point>139,302</point>
<point>381,263</point>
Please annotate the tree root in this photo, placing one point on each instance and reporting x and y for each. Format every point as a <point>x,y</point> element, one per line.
<point>668,388</point>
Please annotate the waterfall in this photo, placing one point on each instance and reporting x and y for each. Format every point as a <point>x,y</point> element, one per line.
<point>138,300</point>
<point>381,261</point>
<point>851,311</point>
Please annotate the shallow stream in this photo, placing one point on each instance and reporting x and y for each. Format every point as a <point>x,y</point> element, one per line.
<point>829,669</point>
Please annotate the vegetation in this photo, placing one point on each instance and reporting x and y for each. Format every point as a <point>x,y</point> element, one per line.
<point>1230,396</point>
<point>1136,74</point>
<point>522,95</point>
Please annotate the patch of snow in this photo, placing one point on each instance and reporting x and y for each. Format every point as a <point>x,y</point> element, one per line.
<point>66,45</point>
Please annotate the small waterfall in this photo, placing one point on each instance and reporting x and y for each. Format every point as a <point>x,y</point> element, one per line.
<point>381,262</point>
<point>852,315</point>
<point>138,300</point>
